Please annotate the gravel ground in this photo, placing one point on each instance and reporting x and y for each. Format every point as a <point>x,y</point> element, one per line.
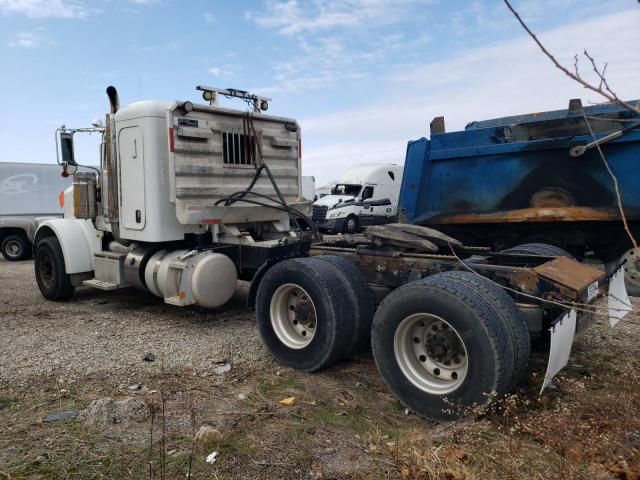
<point>66,357</point>
<point>112,331</point>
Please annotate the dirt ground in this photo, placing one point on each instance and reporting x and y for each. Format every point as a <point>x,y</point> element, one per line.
<point>124,417</point>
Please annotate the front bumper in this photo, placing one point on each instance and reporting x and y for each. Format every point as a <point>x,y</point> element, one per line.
<point>330,224</point>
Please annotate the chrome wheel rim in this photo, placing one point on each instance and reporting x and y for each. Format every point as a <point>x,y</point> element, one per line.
<point>430,353</point>
<point>632,266</point>
<point>293,316</point>
<point>12,248</point>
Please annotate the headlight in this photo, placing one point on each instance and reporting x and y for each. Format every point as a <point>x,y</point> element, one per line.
<point>334,214</point>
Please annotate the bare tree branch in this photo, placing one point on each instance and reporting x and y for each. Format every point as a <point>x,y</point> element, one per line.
<point>606,92</point>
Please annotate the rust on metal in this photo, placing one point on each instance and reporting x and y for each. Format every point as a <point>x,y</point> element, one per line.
<point>569,273</point>
<point>534,215</point>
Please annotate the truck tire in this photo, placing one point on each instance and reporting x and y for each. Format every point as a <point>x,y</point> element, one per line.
<point>16,247</point>
<point>441,347</point>
<point>362,299</point>
<point>509,313</point>
<point>51,274</point>
<point>543,249</point>
<point>304,317</point>
<point>350,225</point>
<point>631,270</point>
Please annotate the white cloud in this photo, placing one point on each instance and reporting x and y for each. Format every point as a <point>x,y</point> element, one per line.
<point>44,8</point>
<point>491,81</point>
<point>25,40</point>
<point>290,17</point>
<point>220,72</point>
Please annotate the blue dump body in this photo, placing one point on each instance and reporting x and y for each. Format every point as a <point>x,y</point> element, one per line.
<point>517,170</point>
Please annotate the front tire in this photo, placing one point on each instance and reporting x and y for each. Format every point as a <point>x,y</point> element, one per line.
<point>304,317</point>
<point>51,274</point>
<point>351,225</point>
<point>441,347</point>
<point>16,247</point>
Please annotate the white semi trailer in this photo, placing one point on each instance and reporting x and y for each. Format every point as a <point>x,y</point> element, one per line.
<point>190,198</point>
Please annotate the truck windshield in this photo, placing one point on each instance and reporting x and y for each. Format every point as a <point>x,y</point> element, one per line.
<point>346,189</point>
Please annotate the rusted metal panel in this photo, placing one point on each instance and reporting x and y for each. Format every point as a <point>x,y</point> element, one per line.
<point>569,273</point>
<point>519,170</point>
<point>533,215</point>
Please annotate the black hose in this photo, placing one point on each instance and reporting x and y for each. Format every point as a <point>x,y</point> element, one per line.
<point>281,204</point>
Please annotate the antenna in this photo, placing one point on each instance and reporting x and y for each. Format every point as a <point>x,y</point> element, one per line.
<point>210,94</point>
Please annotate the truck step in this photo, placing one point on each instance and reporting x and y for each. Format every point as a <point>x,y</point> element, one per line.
<point>102,285</point>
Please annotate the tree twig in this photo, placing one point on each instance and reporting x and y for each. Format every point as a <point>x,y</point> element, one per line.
<point>602,89</point>
<point>616,187</point>
<point>606,92</point>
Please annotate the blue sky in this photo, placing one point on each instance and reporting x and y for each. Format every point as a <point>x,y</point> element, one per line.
<point>361,76</point>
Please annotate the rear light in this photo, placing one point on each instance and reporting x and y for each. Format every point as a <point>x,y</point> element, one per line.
<point>171,141</point>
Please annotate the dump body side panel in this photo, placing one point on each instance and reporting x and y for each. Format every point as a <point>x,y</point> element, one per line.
<point>498,172</point>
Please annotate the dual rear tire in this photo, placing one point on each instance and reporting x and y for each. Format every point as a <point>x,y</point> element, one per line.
<point>443,345</point>
<point>313,312</point>
<point>449,343</point>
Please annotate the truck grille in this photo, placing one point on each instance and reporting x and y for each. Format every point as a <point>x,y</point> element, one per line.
<point>319,213</point>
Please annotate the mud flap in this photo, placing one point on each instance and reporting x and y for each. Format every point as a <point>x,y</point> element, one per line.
<point>562,334</point>
<point>618,301</point>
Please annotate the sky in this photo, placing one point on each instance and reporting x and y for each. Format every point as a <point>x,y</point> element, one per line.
<point>362,77</point>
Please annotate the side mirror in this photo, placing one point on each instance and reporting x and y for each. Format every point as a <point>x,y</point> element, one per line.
<point>66,148</point>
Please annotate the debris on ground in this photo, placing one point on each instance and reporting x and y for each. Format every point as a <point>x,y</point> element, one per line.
<point>222,367</point>
<point>125,419</point>
<point>288,402</point>
<point>207,434</point>
<point>149,357</point>
<point>211,458</point>
<point>64,415</point>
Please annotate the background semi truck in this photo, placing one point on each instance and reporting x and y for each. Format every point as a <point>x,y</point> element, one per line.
<point>365,195</point>
<point>525,179</point>
<point>29,192</point>
<point>190,198</point>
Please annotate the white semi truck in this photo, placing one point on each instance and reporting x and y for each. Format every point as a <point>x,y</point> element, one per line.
<point>365,195</point>
<point>190,198</point>
<point>29,194</point>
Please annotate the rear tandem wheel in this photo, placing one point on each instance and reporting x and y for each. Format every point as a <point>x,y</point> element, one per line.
<point>442,347</point>
<point>305,314</point>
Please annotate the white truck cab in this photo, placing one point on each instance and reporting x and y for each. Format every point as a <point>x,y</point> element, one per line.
<point>366,195</point>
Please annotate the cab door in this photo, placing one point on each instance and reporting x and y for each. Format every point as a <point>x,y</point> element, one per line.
<point>131,173</point>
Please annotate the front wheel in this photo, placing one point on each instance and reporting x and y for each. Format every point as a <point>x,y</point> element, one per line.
<point>351,224</point>
<point>441,347</point>
<point>51,274</point>
<point>16,247</point>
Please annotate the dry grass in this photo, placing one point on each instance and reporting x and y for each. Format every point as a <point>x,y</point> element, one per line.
<point>344,424</point>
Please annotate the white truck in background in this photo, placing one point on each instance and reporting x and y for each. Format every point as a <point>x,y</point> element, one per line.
<point>309,187</point>
<point>29,193</point>
<point>366,195</point>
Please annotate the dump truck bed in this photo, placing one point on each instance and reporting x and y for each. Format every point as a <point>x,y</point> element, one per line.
<point>518,170</point>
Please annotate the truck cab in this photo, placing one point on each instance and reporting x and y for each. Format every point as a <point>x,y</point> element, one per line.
<point>366,195</point>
